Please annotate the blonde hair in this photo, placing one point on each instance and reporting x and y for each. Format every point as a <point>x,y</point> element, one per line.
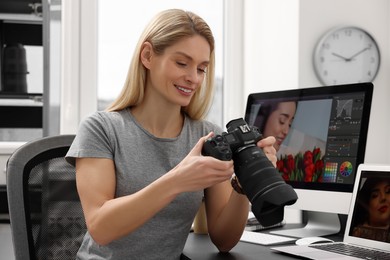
<point>165,29</point>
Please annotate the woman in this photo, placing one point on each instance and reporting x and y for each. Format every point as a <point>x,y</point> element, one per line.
<point>374,210</point>
<point>139,170</point>
<point>275,120</point>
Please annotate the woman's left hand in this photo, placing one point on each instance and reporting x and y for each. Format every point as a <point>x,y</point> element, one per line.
<point>267,144</point>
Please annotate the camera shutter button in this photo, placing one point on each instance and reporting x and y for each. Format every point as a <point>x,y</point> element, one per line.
<point>218,138</point>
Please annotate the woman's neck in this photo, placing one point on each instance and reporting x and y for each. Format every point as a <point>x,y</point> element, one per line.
<point>166,123</point>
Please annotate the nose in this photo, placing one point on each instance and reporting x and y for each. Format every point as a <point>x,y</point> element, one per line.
<point>285,129</point>
<point>192,75</point>
<point>382,196</point>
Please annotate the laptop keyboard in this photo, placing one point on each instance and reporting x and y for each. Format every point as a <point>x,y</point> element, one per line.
<point>355,251</point>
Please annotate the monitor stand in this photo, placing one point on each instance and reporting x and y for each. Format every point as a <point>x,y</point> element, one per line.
<point>318,224</point>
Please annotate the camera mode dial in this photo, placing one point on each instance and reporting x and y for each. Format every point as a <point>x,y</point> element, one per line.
<point>217,147</point>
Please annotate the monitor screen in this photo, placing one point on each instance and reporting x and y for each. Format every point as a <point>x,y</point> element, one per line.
<point>320,136</point>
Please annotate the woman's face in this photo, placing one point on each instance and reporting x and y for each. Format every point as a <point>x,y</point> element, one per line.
<point>176,74</point>
<point>379,205</point>
<point>279,122</point>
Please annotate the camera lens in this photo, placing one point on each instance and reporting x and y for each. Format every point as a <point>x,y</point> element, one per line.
<point>263,185</point>
<point>261,182</point>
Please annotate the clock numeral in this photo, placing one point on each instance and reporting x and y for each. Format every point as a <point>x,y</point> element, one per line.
<point>325,73</point>
<point>372,60</point>
<point>326,46</point>
<point>369,73</point>
<point>335,36</point>
<point>348,32</point>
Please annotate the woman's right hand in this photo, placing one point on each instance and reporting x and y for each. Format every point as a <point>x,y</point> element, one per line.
<point>96,184</point>
<point>197,172</point>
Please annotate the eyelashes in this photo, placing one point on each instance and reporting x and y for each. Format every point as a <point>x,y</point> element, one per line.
<point>183,65</point>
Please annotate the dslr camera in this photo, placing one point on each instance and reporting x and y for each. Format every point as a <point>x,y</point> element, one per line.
<point>261,182</point>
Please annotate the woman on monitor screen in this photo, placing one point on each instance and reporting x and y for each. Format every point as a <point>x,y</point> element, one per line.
<point>139,169</point>
<point>374,210</point>
<point>275,119</point>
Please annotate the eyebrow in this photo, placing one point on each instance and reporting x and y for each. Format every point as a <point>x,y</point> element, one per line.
<point>377,189</point>
<point>206,62</point>
<point>286,115</point>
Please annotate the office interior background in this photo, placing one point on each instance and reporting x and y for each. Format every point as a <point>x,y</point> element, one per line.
<point>262,45</point>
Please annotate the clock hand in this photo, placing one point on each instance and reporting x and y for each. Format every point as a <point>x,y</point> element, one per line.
<point>338,55</point>
<point>359,52</point>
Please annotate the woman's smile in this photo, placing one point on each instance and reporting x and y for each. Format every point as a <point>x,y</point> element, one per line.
<point>383,209</point>
<point>184,90</point>
<point>279,140</point>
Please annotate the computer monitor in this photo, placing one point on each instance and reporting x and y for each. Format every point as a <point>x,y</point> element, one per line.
<point>319,150</point>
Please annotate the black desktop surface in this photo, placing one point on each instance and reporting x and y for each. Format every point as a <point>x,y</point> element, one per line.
<point>200,247</point>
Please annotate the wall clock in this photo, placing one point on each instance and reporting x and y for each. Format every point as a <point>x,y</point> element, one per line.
<point>346,55</point>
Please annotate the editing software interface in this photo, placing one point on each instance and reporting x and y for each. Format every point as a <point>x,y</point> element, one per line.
<point>343,138</point>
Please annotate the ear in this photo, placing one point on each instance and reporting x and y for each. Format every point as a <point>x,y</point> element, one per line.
<point>146,54</point>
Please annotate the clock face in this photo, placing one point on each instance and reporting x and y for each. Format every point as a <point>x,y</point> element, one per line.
<point>346,55</point>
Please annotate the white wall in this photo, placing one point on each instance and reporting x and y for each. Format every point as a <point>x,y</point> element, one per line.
<point>279,40</point>
<point>271,45</point>
<point>317,17</point>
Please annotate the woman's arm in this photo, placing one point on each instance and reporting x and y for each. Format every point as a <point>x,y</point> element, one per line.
<point>109,218</point>
<point>227,211</point>
<point>227,214</point>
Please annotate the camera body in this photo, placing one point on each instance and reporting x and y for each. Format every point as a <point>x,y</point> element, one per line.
<point>261,182</point>
<point>239,136</point>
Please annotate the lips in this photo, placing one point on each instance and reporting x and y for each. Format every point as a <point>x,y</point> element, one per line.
<point>279,140</point>
<point>183,90</point>
<point>383,209</point>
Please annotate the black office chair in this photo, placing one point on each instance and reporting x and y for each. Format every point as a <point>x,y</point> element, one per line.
<point>46,217</point>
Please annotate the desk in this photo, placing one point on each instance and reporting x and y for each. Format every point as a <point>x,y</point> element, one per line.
<point>200,247</point>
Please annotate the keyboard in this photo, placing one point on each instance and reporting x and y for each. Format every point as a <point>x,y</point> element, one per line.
<point>254,225</point>
<point>351,250</point>
<point>264,238</point>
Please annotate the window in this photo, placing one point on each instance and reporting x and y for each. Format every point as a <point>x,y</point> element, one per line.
<point>120,23</point>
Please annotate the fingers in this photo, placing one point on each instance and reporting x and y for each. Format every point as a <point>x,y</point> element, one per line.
<point>268,141</point>
<point>272,157</point>
<point>197,150</point>
<point>267,144</point>
<point>211,134</point>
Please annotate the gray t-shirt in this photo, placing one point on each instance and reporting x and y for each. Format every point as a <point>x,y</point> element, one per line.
<point>140,158</point>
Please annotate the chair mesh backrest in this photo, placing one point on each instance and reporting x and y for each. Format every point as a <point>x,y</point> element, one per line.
<point>54,212</point>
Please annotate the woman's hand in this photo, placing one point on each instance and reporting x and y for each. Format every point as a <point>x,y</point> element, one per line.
<point>196,172</point>
<point>267,144</point>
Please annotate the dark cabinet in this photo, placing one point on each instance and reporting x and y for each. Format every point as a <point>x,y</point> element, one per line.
<point>30,69</point>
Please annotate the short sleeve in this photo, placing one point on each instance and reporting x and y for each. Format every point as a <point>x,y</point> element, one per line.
<point>92,140</point>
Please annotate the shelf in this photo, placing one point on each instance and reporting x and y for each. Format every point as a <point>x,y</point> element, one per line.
<point>20,18</point>
<point>21,110</point>
<point>8,95</point>
<point>21,102</point>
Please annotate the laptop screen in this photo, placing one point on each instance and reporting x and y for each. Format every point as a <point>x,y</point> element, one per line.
<point>371,212</point>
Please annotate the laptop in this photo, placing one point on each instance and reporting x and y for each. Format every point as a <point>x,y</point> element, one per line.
<point>360,234</point>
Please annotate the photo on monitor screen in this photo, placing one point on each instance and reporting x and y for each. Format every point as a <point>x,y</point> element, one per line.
<point>320,132</point>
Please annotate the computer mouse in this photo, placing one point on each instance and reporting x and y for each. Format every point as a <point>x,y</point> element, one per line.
<point>312,240</point>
